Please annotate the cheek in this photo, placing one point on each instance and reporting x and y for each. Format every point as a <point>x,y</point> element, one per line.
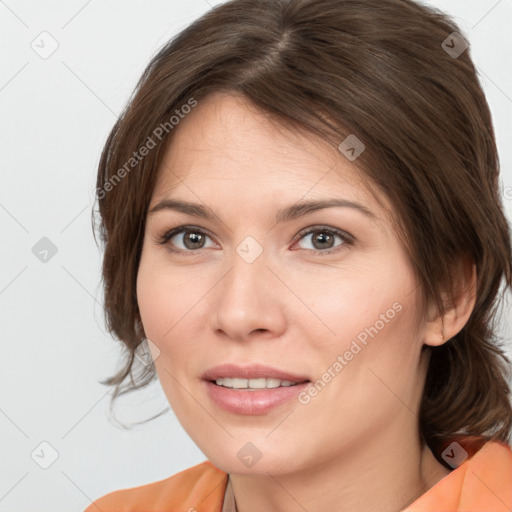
<point>161,290</point>
<point>374,349</point>
<point>172,306</point>
<point>363,331</point>
<point>356,304</point>
<point>149,301</point>
<point>163,299</point>
<point>157,297</point>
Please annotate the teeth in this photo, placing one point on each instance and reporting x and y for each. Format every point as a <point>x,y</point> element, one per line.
<point>252,384</point>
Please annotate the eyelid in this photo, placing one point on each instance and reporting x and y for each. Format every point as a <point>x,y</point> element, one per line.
<point>167,235</point>
<point>347,238</point>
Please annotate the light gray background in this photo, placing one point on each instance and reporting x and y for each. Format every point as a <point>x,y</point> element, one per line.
<point>56,113</point>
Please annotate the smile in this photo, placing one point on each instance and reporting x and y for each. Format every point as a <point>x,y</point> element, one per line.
<point>253,384</point>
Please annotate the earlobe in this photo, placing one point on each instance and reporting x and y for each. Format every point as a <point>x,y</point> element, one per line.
<point>434,334</point>
<point>441,328</point>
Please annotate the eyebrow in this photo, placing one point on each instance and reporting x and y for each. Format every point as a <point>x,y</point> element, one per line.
<point>290,212</point>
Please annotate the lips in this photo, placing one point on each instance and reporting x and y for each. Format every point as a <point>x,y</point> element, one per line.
<point>253,371</point>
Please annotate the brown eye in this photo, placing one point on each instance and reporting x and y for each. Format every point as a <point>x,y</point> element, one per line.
<point>323,240</point>
<point>184,239</point>
<point>188,239</point>
<point>193,240</point>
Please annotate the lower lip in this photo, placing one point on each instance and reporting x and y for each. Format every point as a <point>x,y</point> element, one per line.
<point>252,402</point>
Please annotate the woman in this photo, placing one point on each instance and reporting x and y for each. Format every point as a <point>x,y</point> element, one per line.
<point>301,213</point>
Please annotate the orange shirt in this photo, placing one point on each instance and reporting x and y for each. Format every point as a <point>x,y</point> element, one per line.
<point>481,483</point>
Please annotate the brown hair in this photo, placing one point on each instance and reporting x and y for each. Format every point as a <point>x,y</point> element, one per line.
<point>374,68</point>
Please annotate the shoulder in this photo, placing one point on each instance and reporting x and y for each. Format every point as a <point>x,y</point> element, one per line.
<point>195,489</point>
<point>480,481</point>
<point>488,477</point>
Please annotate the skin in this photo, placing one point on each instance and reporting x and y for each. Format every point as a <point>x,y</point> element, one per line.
<point>356,444</point>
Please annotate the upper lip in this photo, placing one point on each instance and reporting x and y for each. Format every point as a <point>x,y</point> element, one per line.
<point>252,371</point>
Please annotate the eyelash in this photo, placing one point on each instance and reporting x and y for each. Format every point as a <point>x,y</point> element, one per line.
<point>347,238</point>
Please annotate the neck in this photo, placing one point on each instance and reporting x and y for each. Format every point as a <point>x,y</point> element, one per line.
<point>385,473</point>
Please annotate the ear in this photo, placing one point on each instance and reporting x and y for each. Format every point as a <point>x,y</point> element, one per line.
<point>439,329</point>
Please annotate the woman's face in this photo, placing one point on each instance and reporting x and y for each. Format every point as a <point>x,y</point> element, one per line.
<point>323,295</point>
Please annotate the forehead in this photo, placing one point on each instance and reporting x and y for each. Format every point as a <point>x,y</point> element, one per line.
<point>227,142</point>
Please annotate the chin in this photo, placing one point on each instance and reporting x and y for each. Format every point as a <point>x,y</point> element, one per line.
<point>262,466</point>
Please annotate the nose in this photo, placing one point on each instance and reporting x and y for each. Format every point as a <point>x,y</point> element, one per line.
<point>248,301</point>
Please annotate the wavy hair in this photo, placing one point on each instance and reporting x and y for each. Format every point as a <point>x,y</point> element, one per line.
<point>393,73</point>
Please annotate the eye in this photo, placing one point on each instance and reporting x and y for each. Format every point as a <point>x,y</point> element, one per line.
<point>193,239</point>
<point>323,239</point>
<point>190,239</point>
